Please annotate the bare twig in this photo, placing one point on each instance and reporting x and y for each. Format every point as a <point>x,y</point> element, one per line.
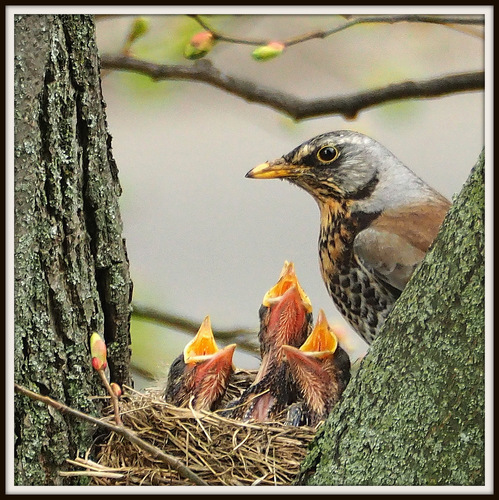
<point>121,430</point>
<point>113,397</point>
<point>241,336</point>
<point>295,107</point>
<point>88,473</point>
<point>411,18</point>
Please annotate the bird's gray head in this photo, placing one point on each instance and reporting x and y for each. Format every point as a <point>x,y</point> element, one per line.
<point>347,166</point>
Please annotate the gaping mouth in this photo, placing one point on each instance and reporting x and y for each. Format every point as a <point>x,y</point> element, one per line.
<point>322,341</point>
<point>203,345</point>
<point>287,280</point>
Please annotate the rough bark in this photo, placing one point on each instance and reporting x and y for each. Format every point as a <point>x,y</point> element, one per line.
<point>71,267</point>
<point>414,413</point>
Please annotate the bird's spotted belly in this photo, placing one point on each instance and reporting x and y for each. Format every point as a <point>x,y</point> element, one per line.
<point>361,300</point>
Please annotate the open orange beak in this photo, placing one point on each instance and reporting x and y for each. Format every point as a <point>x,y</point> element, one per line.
<point>320,344</point>
<point>287,280</point>
<point>204,348</point>
<point>322,341</point>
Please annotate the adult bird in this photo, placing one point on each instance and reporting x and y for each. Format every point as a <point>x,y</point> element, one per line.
<point>285,318</point>
<point>377,220</point>
<point>201,374</point>
<point>320,369</point>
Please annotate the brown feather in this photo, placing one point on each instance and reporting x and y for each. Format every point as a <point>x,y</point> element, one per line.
<point>396,242</point>
<point>417,224</point>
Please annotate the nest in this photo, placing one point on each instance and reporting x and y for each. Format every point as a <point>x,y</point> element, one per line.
<point>220,450</point>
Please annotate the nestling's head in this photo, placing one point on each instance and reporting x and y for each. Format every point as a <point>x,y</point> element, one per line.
<point>201,374</point>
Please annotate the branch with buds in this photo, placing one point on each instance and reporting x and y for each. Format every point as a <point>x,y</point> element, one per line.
<point>449,21</point>
<point>295,107</point>
<point>98,351</point>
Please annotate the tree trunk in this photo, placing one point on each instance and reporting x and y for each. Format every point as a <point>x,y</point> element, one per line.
<point>414,413</point>
<point>71,268</point>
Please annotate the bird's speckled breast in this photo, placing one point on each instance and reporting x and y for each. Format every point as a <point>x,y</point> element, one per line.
<point>360,297</point>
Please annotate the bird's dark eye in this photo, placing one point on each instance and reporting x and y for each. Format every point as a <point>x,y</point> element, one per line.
<point>327,154</point>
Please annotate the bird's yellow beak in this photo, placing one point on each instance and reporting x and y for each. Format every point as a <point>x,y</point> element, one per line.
<point>272,170</point>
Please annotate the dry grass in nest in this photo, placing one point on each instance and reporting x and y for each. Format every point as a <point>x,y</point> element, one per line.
<point>221,451</point>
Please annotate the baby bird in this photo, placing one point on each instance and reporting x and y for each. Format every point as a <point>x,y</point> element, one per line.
<point>320,368</point>
<point>285,318</point>
<point>201,374</point>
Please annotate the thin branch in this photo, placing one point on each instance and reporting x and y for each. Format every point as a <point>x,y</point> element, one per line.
<point>387,20</point>
<point>239,335</point>
<point>295,107</point>
<point>113,397</point>
<point>181,323</point>
<point>142,371</point>
<point>122,431</point>
<point>226,38</point>
<point>411,18</point>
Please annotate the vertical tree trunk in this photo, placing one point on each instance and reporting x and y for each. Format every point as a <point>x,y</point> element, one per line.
<point>71,267</point>
<point>415,412</point>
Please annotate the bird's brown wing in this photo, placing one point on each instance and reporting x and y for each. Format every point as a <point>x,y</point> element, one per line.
<point>391,257</point>
<point>396,242</point>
